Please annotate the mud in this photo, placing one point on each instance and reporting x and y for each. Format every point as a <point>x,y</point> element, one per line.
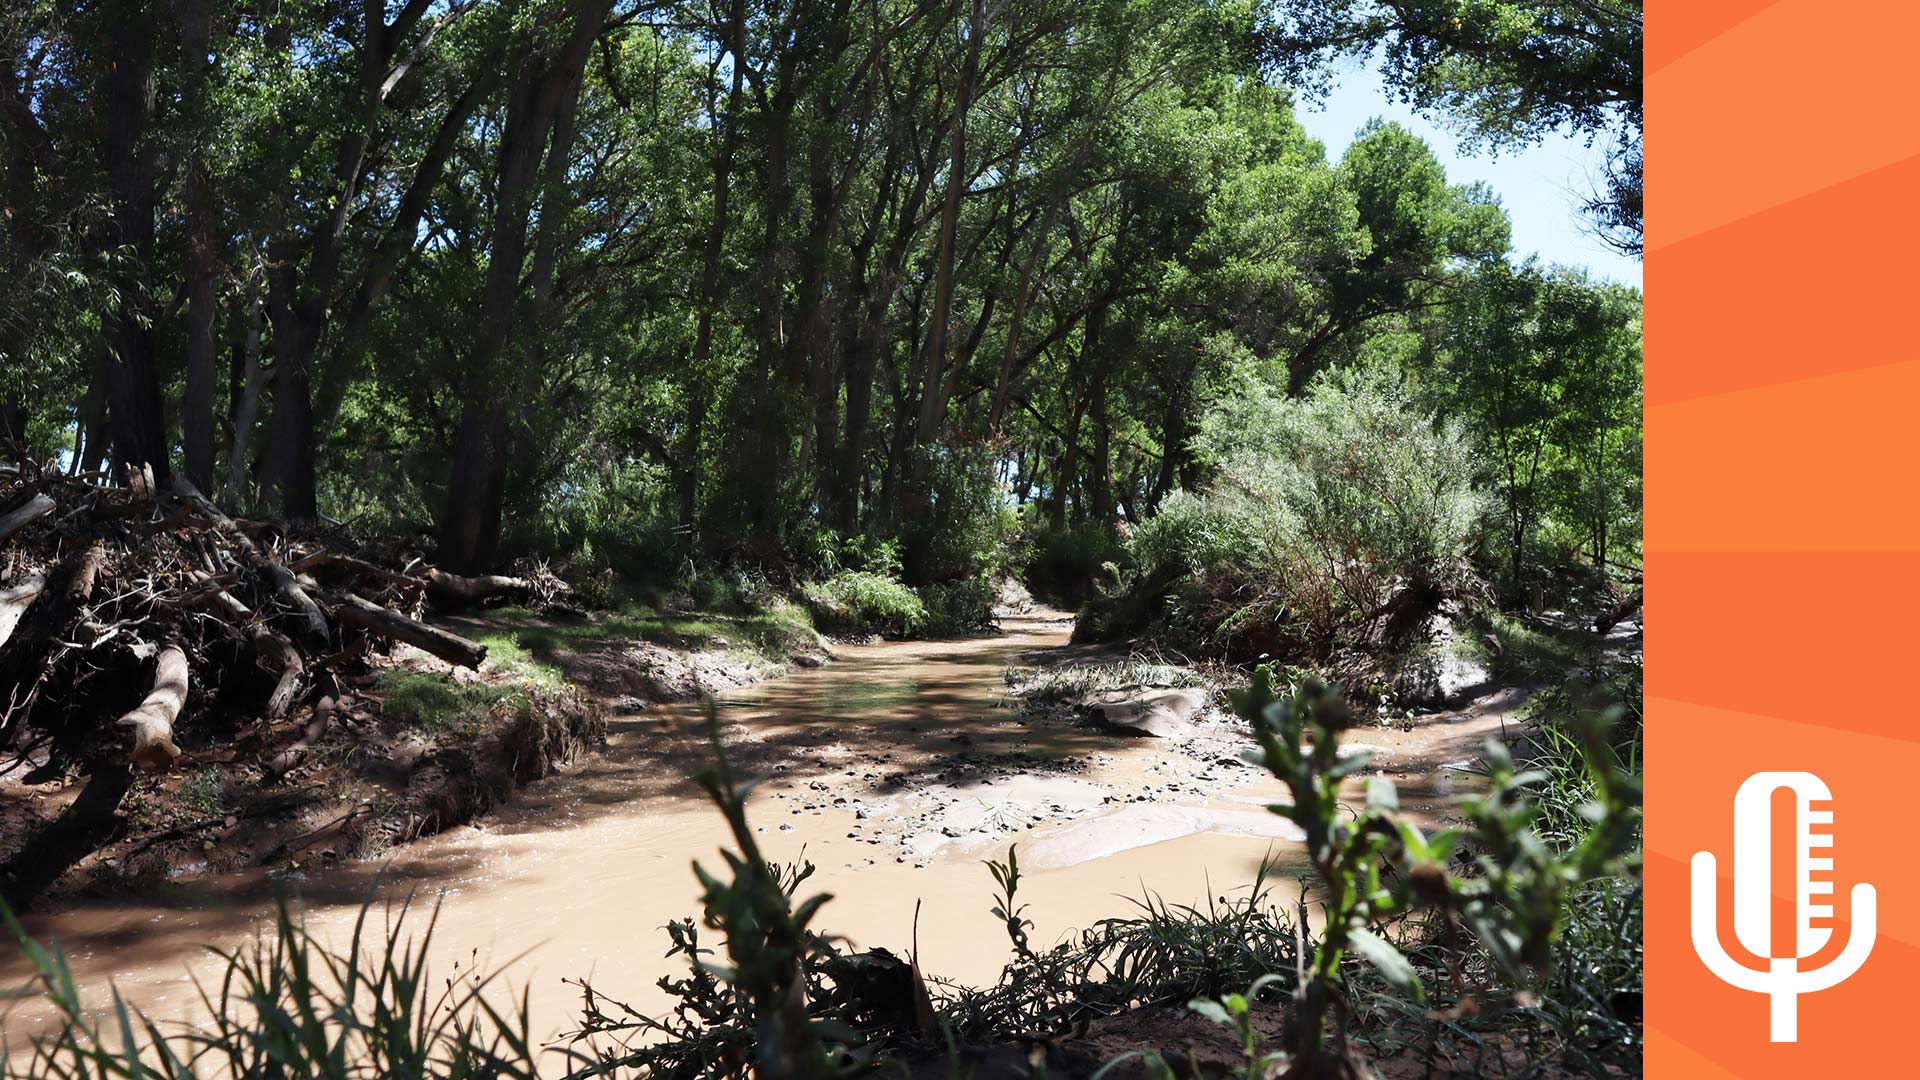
<point>896,770</point>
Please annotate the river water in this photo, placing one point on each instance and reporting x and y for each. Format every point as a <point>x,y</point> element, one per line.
<point>895,770</point>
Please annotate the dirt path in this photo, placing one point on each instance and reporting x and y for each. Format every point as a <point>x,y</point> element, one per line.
<point>895,770</point>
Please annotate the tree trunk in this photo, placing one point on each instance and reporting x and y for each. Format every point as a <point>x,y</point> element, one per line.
<point>92,421</point>
<point>862,359</point>
<point>1174,434</point>
<point>1100,484</point>
<point>1068,472</point>
<point>693,431</point>
<point>136,410</point>
<point>291,458</point>
<point>246,407</point>
<point>544,95</point>
<point>202,260</point>
<point>933,382</point>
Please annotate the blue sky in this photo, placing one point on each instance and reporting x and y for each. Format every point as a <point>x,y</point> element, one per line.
<point>1540,186</point>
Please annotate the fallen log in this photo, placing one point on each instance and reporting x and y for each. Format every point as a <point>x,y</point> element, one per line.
<point>1619,611</point>
<point>23,515</point>
<point>27,655</point>
<point>367,615</point>
<point>305,617</point>
<point>459,590</point>
<point>152,720</point>
<point>358,566</point>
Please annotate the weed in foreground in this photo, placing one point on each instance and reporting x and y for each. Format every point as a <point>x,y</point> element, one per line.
<point>289,1008</point>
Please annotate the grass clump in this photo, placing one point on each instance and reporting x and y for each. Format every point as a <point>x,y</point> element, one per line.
<point>1054,684</point>
<point>204,791</point>
<point>436,704</point>
<point>777,630</point>
<point>289,1007</point>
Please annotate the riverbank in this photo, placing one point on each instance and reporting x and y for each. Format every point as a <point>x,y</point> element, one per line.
<point>407,748</point>
<point>869,760</point>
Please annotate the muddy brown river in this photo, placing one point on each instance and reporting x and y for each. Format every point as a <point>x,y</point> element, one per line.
<point>896,770</point>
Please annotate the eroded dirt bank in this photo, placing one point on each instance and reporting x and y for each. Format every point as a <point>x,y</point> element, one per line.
<point>895,770</point>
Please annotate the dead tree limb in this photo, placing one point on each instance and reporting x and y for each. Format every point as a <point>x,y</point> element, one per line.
<point>152,720</point>
<point>459,590</point>
<point>304,616</point>
<point>271,646</point>
<point>29,654</point>
<point>367,615</point>
<point>323,712</point>
<point>358,566</point>
<point>23,515</point>
<point>1619,611</point>
<point>211,589</point>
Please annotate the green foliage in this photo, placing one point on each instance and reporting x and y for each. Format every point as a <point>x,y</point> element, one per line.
<point>289,1006</point>
<point>435,703</point>
<point>1327,510</point>
<point>1161,954</point>
<point>1377,865</point>
<point>1064,565</point>
<point>1545,367</point>
<point>203,792</point>
<point>962,607</point>
<point>1508,71</point>
<point>957,522</point>
<point>775,628</point>
<point>863,602</point>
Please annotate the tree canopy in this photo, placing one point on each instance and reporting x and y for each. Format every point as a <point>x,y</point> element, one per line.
<point>648,277</point>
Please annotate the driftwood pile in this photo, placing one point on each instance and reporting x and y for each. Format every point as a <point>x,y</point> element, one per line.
<point>131,617</point>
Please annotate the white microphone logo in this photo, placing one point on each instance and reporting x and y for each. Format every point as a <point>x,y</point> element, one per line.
<point>1783,980</point>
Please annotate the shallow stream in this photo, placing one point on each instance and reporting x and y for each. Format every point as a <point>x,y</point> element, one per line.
<point>896,770</point>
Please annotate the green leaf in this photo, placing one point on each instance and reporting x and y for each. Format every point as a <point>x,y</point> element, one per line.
<point>1389,962</point>
<point>1211,1009</point>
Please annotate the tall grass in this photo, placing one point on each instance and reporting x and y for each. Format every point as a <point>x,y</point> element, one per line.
<point>287,1007</point>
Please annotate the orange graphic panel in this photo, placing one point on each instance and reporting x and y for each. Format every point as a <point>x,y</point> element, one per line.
<point>1783,537</point>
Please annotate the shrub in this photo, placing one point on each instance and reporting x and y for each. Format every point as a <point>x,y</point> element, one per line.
<point>957,522</point>
<point>1064,565</point>
<point>863,602</point>
<point>960,607</point>
<point>1336,520</point>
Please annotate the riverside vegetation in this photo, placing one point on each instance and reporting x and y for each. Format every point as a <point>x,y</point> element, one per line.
<point>391,390</point>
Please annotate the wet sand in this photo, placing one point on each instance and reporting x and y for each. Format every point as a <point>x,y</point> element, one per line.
<point>896,770</point>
